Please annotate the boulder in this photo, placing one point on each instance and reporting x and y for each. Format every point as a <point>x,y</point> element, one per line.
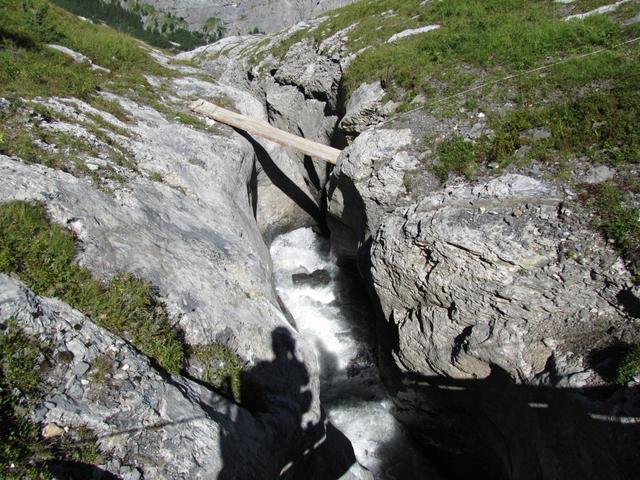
<point>366,107</point>
<point>367,183</point>
<point>316,74</point>
<point>316,278</point>
<point>494,300</point>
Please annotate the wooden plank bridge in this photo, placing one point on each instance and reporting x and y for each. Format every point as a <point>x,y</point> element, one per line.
<point>264,130</point>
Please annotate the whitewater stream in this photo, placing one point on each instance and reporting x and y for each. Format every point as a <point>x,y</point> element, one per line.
<point>331,310</point>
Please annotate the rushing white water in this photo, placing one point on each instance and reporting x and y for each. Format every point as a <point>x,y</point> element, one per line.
<point>331,311</point>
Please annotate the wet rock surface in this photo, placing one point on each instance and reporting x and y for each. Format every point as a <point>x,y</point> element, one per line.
<point>313,279</point>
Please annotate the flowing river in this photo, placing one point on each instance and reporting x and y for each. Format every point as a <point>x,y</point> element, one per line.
<point>331,310</point>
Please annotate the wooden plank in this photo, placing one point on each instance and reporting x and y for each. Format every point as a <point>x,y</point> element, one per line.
<point>263,129</point>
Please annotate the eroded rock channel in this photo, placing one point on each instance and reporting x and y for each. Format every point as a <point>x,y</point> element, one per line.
<point>331,311</point>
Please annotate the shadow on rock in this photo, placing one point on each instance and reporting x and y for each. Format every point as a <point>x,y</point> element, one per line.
<point>494,428</point>
<point>283,182</point>
<point>78,470</point>
<point>277,392</point>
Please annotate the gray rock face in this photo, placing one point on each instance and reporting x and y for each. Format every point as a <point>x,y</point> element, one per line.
<point>315,73</point>
<point>275,210</point>
<point>492,299</point>
<point>145,422</point>
<point>491,294</point>
<point>496,275</point>
<point>245,16</point>
<point>301,93</point>
<point>183,219</point>
<point>365,109</point>
<point>368,183</point>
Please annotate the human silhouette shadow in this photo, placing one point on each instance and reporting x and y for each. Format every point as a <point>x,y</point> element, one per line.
<point>277,393</point>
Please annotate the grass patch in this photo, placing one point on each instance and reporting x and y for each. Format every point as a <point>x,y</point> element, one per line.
<point>101,368</point>
<point>29,68</point>
<point>222,368</point>
<point>490,36</point>
<point>20,386</point>
<point>224,101</point>
<point>281,49</point>
<point>456,156</point>
<point>112,107</point>
<point>42,255</point>
<point>617,221</point>
<point>156,177</point>
<point>27,136</point>
<point>190,120</point>
<point>629,367</point>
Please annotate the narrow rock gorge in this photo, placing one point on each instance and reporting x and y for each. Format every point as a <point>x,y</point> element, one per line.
<point>457,297</point>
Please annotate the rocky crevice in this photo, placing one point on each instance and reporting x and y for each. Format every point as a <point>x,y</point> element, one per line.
<point>498,286</point>
<point>206,256</point>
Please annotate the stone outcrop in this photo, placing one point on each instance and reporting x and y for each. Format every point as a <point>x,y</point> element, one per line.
<point>147,423</point>
<point>184,219</point>
<point>498,288</point>
<point>366,108</point>
<point>367,184</point>
<point>498,274</point>
<point>245,16</point>
<point>301,92</point>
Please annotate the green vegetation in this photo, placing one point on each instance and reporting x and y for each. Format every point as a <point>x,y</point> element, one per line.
<point>23,451</point>
<point>588,106</point>
<point>490,37</point>
<point>29,68</point>
<point>455,156</point>
<point>42,255</point>
<point>147,24</point>
<point>600,123</point>
<point>191,120</point>
<point>156,177</point>
<point>616,221</point>
<point>222,368</point>
<point>27,136</point>
<point>225,101</point>
<point>101,368</point>
<point>20,383</point>
<point>215,28</point>
<point>629,367</point>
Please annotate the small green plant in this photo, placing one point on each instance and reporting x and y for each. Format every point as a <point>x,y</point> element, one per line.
<point>616,221</point>
<point>225,101</point>
<point>156,177</point>
<point>24,453</point>
<point>222,368</point>
<point>42,255</point>
<point>190,120</point>
<point>101,368</point>
<point>456,156</point>
<point>629,367</point>
<point>20,385</point>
